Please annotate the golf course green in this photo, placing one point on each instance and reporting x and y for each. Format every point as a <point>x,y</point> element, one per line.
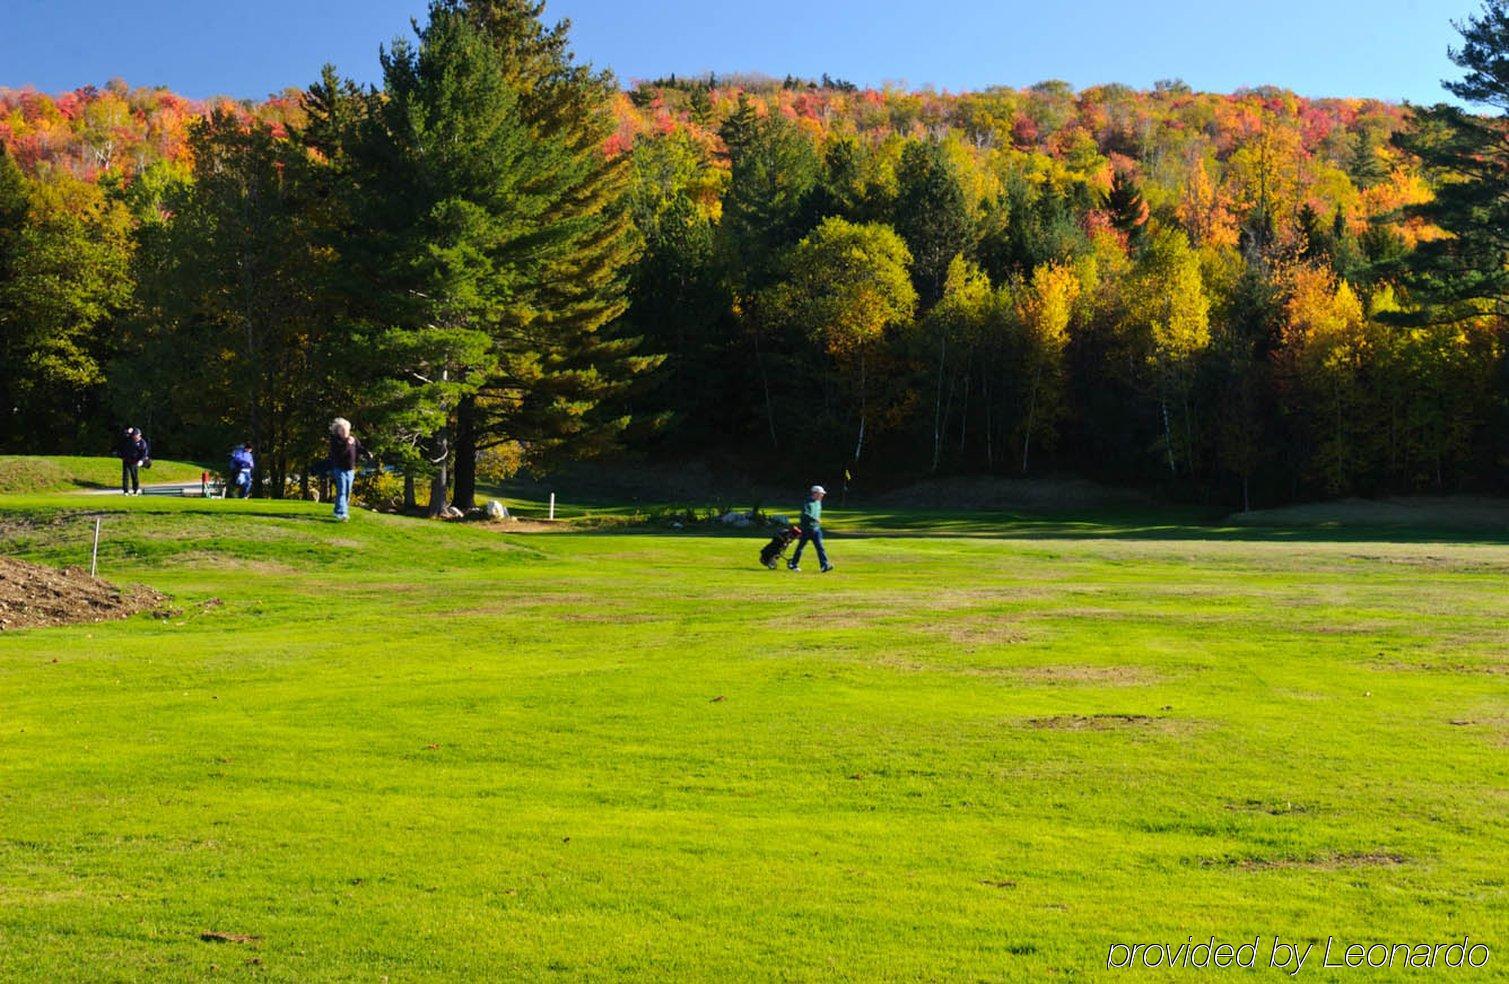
<point>987,747</point>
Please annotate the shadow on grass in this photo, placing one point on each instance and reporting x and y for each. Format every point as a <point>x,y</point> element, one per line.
<point>607,518</point>
<point>1171,526</point>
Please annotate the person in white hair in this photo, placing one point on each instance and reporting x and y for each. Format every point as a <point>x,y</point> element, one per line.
<point>345,450</point>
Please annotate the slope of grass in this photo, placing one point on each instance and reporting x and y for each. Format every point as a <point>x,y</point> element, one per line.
<point>404,749</point>
<point>60,473</point>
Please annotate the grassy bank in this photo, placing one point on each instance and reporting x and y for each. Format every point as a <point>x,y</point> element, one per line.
<point>31,474</point>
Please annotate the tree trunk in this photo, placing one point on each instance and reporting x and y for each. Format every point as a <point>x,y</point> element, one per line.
<point>938,405</point>
<point>410,501</point>
<point>990,455</point>
<point>863,408</point>
<point>765,383</point>
<point>465,494</point>
<point>441,459</point>
<point>1027,430</point>
<point>964,412</point>
<point>1168,439</point>
<point>438,482</point>
<point>1189,434</point>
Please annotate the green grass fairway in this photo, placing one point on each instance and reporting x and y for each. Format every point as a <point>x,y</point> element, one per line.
<point>403,750</point>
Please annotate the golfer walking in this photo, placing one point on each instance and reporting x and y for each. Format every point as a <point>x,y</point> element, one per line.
<point>812,530</point>
<point>344,451</point>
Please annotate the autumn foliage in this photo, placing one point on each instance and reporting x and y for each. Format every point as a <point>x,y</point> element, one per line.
<point>1201,290</point>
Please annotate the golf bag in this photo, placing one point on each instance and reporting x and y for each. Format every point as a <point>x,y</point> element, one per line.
<point>773,551</point>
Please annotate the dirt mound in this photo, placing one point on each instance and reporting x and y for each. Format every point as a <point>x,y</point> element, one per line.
<point>1010,493</point>
<point>32,596</point>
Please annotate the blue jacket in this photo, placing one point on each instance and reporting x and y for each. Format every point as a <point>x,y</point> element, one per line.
<point>241,460</point>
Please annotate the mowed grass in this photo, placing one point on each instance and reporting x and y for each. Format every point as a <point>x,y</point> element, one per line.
<point>61,473</point>
<point>410,750</point>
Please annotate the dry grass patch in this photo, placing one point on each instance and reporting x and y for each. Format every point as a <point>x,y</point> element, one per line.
<point>225,562</point>
<point>1107,722</point>
<point>1103,676</point>
<point>1326,862</point>
<point>1464,669</point>
<point>994,630</point>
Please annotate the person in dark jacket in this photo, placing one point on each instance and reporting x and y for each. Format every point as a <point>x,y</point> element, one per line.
<point>345,450</point>
<point>812,530</point>
<point>243,463</point>
<point>133,452</point>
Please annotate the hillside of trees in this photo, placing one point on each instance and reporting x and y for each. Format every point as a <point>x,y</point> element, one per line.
<point>501,258</point>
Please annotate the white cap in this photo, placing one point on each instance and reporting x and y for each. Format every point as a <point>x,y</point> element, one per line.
<point>819,490</point>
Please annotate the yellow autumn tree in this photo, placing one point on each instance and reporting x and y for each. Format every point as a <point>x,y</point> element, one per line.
<point>1326,349</point>
<point>1169,305</point>
<point>1203,212</point>
<point>955,325</point>
<point>848,283</point>
<point>1044,308</point>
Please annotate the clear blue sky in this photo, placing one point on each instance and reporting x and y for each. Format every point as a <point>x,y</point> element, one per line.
<point>1392,49</point>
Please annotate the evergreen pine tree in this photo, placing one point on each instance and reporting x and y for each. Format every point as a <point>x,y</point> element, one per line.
<point>1126,206</point>
<point>932,215</point>
<point>1315,245</point>
<point>562,375</point>
<point>1468,154</point>
<point>1367,168</point>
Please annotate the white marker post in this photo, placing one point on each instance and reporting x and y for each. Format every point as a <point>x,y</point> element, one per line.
<point>552,505</point>
<point>94,557</point>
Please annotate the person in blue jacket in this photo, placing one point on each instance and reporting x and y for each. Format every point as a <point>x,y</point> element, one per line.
<point>812,530</point>
<point>242,465</point>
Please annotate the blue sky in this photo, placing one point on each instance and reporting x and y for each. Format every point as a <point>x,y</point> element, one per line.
<point>1391,49</point>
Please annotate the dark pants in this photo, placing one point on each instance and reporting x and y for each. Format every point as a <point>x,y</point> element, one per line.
<point>815,535</point>
<point>129,476</point>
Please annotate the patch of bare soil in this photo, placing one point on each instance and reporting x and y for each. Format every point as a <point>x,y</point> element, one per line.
<point>218,937</point>
<point>1273,808</point>
<point>1325,862</point>
<point>33,596</point>
<point>1466,669</point>
<point>1099,722</point>
<point>514,525</point>
<point>1497,728</point>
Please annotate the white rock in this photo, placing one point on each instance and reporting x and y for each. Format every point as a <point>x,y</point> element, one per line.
<point>496,510</point>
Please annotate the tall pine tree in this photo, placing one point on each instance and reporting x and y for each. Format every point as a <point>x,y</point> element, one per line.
<point>932,215</point>
<point>562,374</point>
<point>1466,273</point>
